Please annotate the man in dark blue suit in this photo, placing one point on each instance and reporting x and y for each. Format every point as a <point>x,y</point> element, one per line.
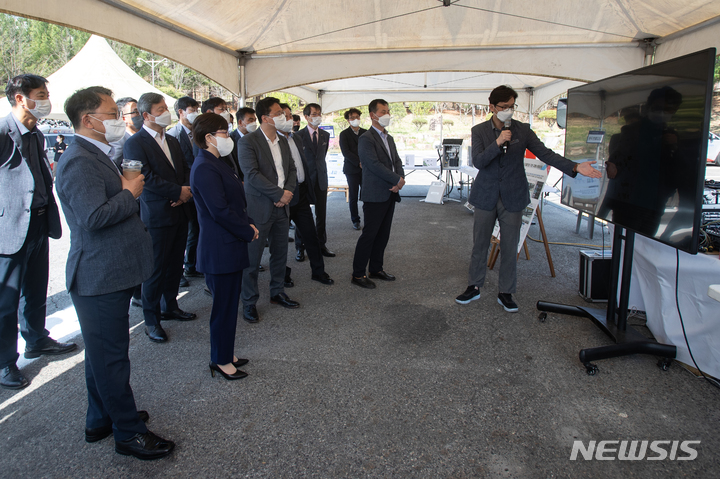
<point>316,142</point>
<point>28,216</point>
<point>383,177</point>
<point>110,253</point>
<point>164,210</point>
<point>303,196</point>
<point>186,109</point>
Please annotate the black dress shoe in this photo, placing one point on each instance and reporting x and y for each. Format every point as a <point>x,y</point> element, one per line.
<point>136,302</point>
<point>363,282</point>
<point>178,314</point>
<point>240,362</point>
<point>184,283</point>
<point>156,334</point>
<point>382,275</point>
<point>236,375</point>
<point>96,434</point>
<point>356,225</point>
<point>326,252</point>
<point>291,239</point>
<point>289,283</point>
<point>283,300</point>
<point>323,278</point>
<point>261,269</point>
<point>250,314</point>
<point>193,273</point>
<point>53,348</point>
<point>12,378</point>
<point>300,255</point>
<point>145,446</point>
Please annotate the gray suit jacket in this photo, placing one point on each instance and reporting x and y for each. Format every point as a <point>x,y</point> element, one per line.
<point>502,175</point>
<point>110,248</point>
<point>17,186</point>
<point>261,178</point>
<point>377,167</point>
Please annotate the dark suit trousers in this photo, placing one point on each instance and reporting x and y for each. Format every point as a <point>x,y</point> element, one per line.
<point>105,330</point>
<point>320,216</point>
<point>159,292</point>
<point>301,215</point>
<point>225,289</point>
<point>374,238</point>
<point>23,285</point>
<point>192,242</point>
<point>354,181</point>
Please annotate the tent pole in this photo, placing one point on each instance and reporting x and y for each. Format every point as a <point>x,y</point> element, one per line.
<point>531,104</point>
<point>241,64</point>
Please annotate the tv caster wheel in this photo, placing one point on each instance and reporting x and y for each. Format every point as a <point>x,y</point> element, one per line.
<point>542,317</point>
<point>664,363</point>
<point>591,369</point>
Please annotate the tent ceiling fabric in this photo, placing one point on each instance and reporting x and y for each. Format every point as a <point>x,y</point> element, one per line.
<point>291,43</point>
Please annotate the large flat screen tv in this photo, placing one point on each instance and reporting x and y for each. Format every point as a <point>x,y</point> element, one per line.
<point>647,129</point>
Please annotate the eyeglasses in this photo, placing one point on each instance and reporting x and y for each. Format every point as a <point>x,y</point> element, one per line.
<point>134,112</point>
<point>503,108</point>
<point>115,114</point>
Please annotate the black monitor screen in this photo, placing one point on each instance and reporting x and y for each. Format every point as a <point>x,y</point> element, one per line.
<point>647,129</point>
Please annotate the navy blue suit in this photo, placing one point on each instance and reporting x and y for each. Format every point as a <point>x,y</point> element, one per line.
<point>186,145</point>
<point>167,224</point>
<point>317,171</point>
<point>225,232</point>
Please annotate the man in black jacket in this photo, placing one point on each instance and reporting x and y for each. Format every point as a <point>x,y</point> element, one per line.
<point>352,166</point>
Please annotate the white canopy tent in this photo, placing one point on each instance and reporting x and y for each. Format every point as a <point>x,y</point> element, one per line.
<point>253,47</point>
<point>95,64</point>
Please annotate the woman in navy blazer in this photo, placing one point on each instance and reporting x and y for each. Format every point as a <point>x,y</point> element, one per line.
<point>225,231</point>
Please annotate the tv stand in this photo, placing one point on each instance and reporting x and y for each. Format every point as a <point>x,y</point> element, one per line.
<point>613,321</point>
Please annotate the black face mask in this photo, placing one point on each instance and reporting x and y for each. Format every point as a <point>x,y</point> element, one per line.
<point>296,127</point>
<point>138,122</point>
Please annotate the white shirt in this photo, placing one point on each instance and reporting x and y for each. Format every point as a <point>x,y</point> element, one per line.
<point>160,138</point>
<point>104,147</point>
<point>277,158</point>
<point>296,158</point>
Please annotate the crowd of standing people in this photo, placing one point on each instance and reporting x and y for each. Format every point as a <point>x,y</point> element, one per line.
<point>202,200</point>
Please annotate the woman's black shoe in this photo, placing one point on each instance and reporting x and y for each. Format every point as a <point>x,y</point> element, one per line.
<point>236,375</point>
<point>240,362</point>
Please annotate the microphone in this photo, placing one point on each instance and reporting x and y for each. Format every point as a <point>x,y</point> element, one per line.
<point>508,122</point>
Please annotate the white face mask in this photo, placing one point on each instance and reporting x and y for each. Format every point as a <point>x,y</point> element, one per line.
<point>252,127</point>
<point>41,110</point>
<point>385,120</point>
<point>114,129</point>
<point>355,123</point>
<point>315,121</point>
<point>224,146</point>
<point>505,115</point>
<point>287,127</point>
<point>659,117</point>
<point>191,117</point>
<point>227,116</point>
<point>279,122</point>
<point>163,120</point>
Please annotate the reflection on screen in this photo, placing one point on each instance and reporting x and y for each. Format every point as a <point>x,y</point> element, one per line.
<point>648,131</point>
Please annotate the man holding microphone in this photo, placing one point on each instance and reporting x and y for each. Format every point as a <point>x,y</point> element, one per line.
<point>500,191</point>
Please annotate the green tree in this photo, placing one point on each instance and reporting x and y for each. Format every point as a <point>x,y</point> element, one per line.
<point>419,122</point>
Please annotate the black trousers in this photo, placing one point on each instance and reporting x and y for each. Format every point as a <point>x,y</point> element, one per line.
<point>159,292</point>
<point>354,181</point>
<point>23,287</point>
<point>320,217</point>
<point>192,242</point>
<point>105,329</point>
<point>370,248</point>
<point>301,215</point>
<point>225,289</point>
